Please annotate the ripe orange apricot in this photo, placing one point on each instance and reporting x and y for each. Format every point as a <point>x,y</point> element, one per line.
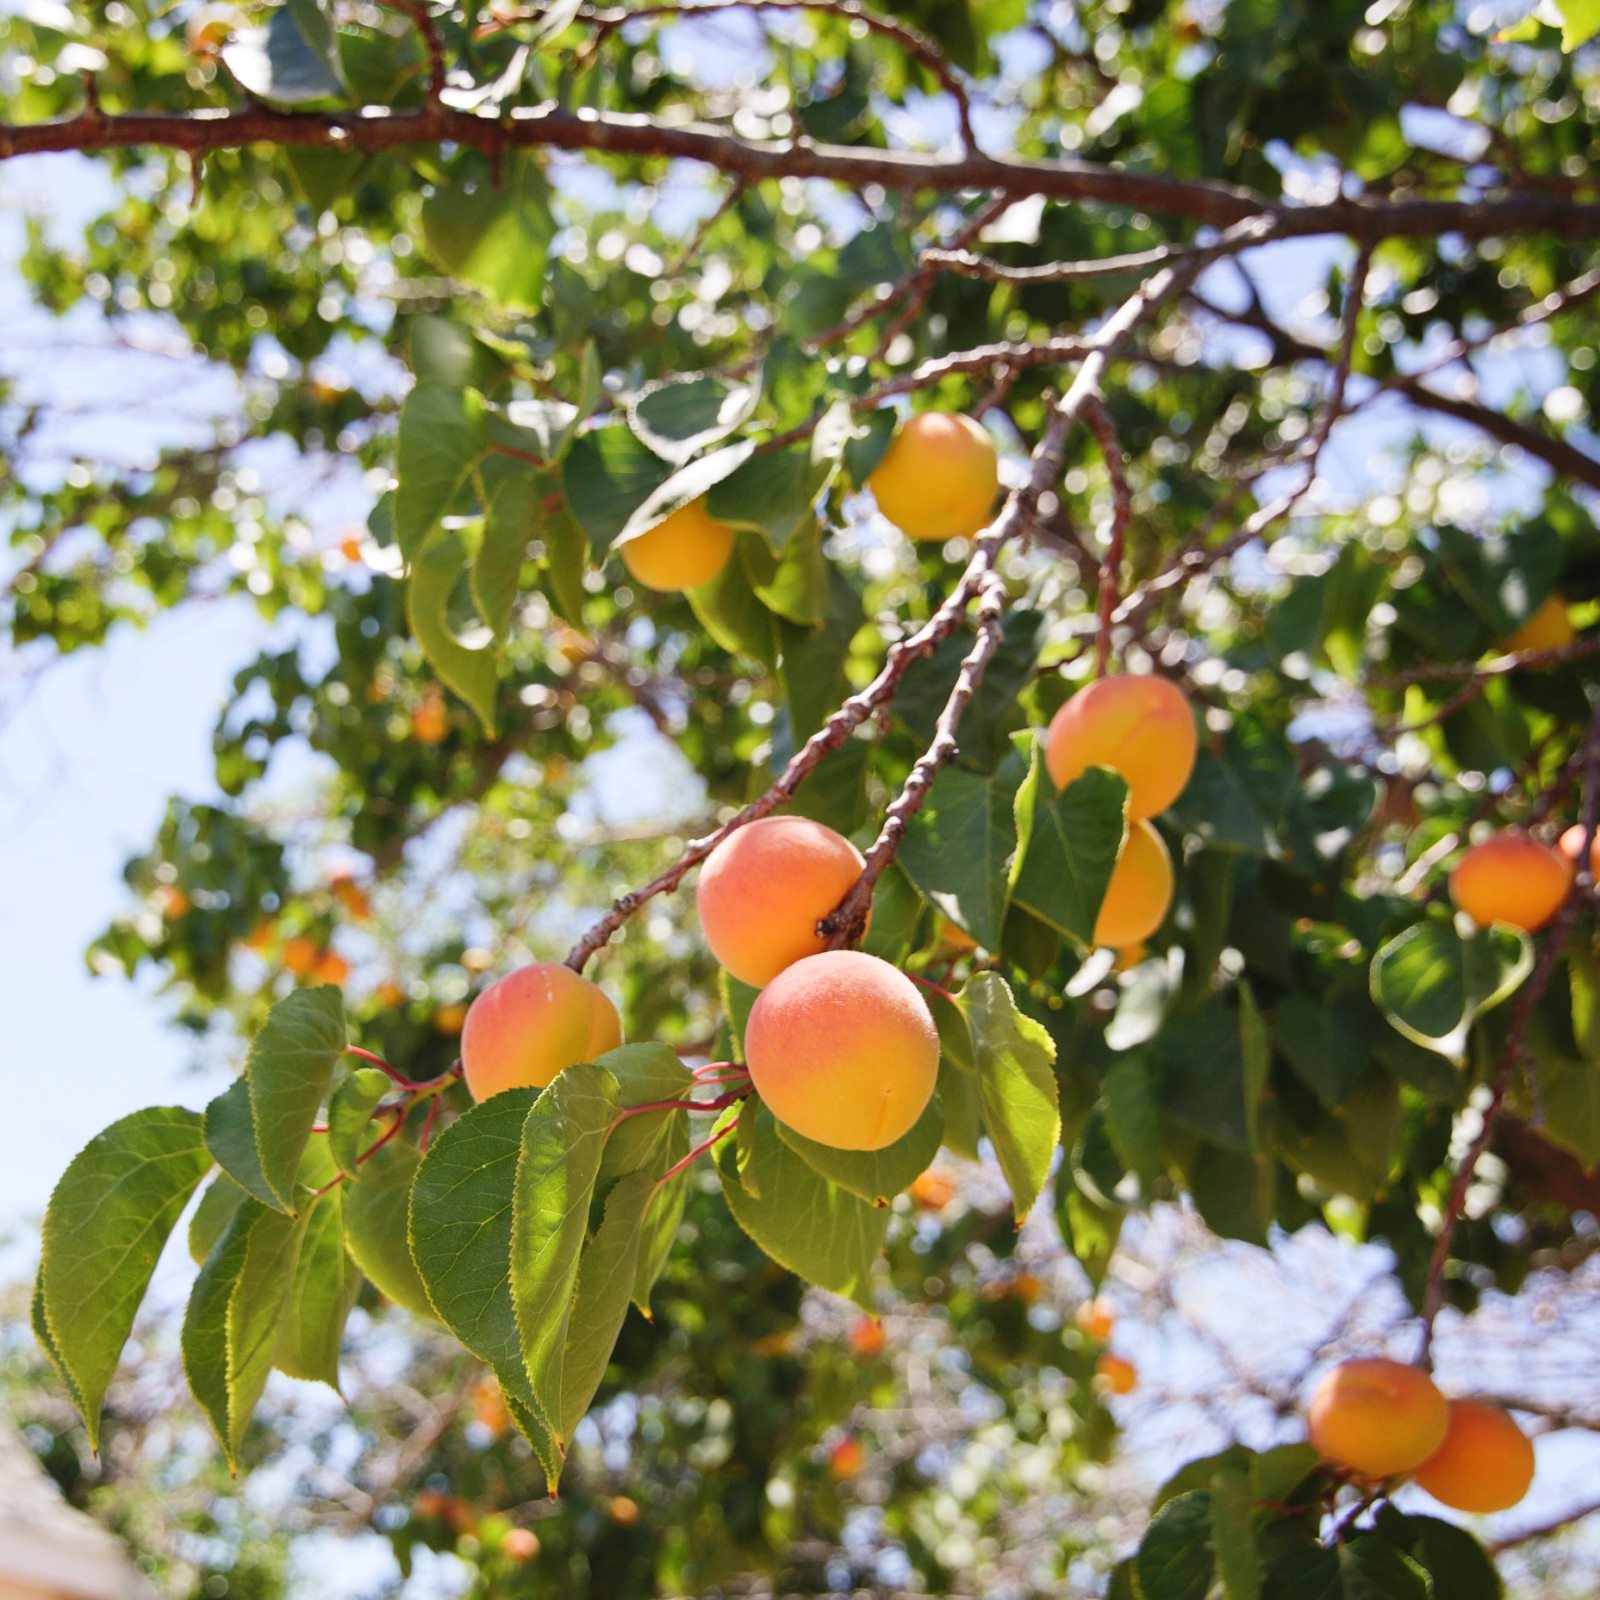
<point>623,1511</point>
<point>519,1544</point>
<point>1139,892</point>
<point>682,551</point>
<point>1096,1319</point>
<point>938,478</point>
<point>430,722</point>
<point>332,968</point>
<point>1115,1375</point>
<point>866,1337</point>
<point>1547,627</point>
<point>1511,878</point>
<point>846,1458</point>
<point>934,1189</point>
<point>390,995</point>
<point>1376,1417</point>
<point>173,902</point>
<point>523,1030</point>
<point>1485,1463</point>
<point>350,894</point>
<point>450,1020</point>
<point>842,1049</point>
<point>765,888</point>
<point>300,955</point>
<point>1139,726</point>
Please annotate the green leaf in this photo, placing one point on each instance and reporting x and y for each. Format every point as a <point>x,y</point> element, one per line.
<point>494,233</point>
<point>218,1201</point>
<point>1133,1116</point>
<point>961,847</point>
<point>324,1289</point>
<point>875,1175</point>
<point>607,476</point>
<point>231,1138</point>
<point>562,1139</point>
<point>375,1227</point>
<point>1458,1565</point>
<point>108,1220</point>
<point>1233,1535</point>
<point>314,19</point>
<point>731,611</point>
<point>1176,1558</point>
<point>288,1075</point>
<point>440,444</point>
<point>820,1232</point>
<point>658,1232</point>
<point>1072,841</point>
<point>645,1073</point>
<point>1373,1569</point>
<point>513,519</point>
<point>1016,1086</point>
<point>606,1281</point>
<point>1580,22</point>
<point>1328,1040</point>
<point>1255,1054</point>
<point>1431,983</point>
<point>471,670</point>
<point>349,1112</point>
<point>278,62</point>
<point>460,1223</point>
<point>774,493</point>
<point>686,484</point>
<point>681,416</point>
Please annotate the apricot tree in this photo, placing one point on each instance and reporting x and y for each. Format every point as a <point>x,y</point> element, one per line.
<point>1087,774</point>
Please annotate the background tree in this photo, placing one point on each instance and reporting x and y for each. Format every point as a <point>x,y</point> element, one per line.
<point>532,281</point>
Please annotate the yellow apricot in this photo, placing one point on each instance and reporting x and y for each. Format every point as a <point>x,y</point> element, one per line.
<point>1547,627</point>
<point>1511,878</point>
<point>1376,1417</point>
<point>1485,1463</point>
<point>866,1337</point>
<point>300,955</point>
<point>524,1029</point>
<point>765,888</point>
<point>430,722</point>
<point>938,478</point>
<point>350,894</point>
<point>682,551</point>
<point>846,1459</point>
<point>332,968</point>
<point>1096,1318</point>
<point>1139,892</point>
<point>842,1049</point>
<point>1115,1375</point>
<point>1139,726</point>
<point>449,1020</point>
<point>934,1189</point>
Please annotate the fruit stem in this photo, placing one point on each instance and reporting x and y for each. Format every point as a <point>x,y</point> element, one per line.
<point>396,1123</point>
<point>698,1151</point>
<point>926,984</point>
<point>721,1103</point>
<point>401,1081</point>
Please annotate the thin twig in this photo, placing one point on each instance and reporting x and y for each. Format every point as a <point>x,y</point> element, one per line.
<point>1102,425</point>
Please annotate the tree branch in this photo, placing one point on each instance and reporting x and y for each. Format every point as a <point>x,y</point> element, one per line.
<point>375,129</point>
<point>1104,429</point>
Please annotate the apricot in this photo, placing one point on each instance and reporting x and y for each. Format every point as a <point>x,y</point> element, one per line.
<point>1376,1417</point>
<point>430,722</point>
<point>1139,726</point>
<point>260,936</point>
<point>301,955</point>
<point>1096,1319</point>
<point>332,968</point>
<point>842,1049</point>
<point>524,1029</point>
<point>934,1189</point>
<point>1547,627</point>
<point>682,551</point>
<point>866,1337</point>
<point>765,888</point>
<point>1485,1463</point>
<point>390,995</point>
<point>846,1459</point>
<point>173,902</point>
<point>1139,892</point>
<point>1115,1375</point>
<point>520,1544</point>
<point>449,1020</point>
<point>351,895</point>
<point>1570,844</point>
<point>938,478</point>
<point>1511,878</point>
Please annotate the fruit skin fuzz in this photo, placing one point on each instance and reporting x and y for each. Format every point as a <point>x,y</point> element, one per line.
<point>842,1049</point>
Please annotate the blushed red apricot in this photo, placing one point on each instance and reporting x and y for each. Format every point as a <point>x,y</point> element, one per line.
<point>765,888</point>
<point>1511,878</point>
<point>1376,1417</point>
<point>841,1048</point>
<point>1485,1463</point>
<point>1139,892</point>
<point>1139,726</point>
<point>520,1032</point>
<point>939,477</point>
<point>682,551</point>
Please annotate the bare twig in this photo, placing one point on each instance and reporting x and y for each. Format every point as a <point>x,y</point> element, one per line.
<point>428,31</point>
<point>1104,428</point>
<point>846,922</point>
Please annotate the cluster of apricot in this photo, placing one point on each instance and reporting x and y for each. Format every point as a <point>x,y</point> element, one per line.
<point>1517,879</point>
<point>1380,1419</point>
<point>839,1044</point>
<point>937,480</point>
